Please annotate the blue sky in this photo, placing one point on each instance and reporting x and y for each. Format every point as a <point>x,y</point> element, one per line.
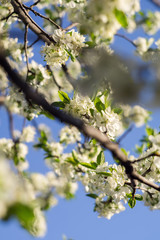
<point>75,218</point>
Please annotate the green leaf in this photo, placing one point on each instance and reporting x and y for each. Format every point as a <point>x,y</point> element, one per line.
<point>90,43</point>
<point>91,111</point>
<point>94,164</point>
<point>99,105</point>
<point>64,97</point>
<point>43,136</point>
<point>138,197</point>
<point>49,12</point>
<point>48,115</point>
<point>149,131</point>
<point>40,77</point>
<point>132,202</point>
<point>141,13</point>
<point>39,145</point>
<point>93,141</point>
<point>16,160</point>
<point>92,195</point>
<point>87,165</point>
<point>58,104</point>
<point>24,213</point>
<point>70,54</point>
<point>73,161</point>
<point>100,158</point>
<point>140,149</point>
<point>30,77</point>
<point>69,195</point>
<point>129,195</point>
<point>124,151</point>
<point>74,156</point>
<point>117,110</point>
<point>93,37</point>
<point>107,174</point>
<point>121,17</point>
<point>93,153</point>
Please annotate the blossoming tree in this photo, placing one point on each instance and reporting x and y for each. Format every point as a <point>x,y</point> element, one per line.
<point>78,86</point>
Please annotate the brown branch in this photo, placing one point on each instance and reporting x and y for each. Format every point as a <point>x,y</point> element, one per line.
<point>25,48</point>
<point>32,95</point>
<point>126,38</point>
<point>142,179</point>
<point>31,45</point>
<point>68,76</point>
<point>153,154</point>
<point>53,77</point>
<point>34,4</point>
<point>2,100</point>
<point>27,20</point>
<point>7,17</point>
<point>125,134</point>
<point>156,2</point>
<point>11,127</point>
<point>147,171</point>
<point>42,16</point>
<point>23,124</point>
<point>71,26</point>
<point>24,16</point>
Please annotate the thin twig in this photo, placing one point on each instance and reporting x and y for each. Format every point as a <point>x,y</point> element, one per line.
<point>23,124</point>
<point>56,83</point>
<point>31,45</point>
<point>147,171</point>
<point>26,19</point>
<point>34,123</point>
<point>126,38</point>
<point>42,16</point>
<point>34,4</point>
<point>125,134</point>
<point>11,127</point>
<point>147,156</point>
<point>7,17</point>
<point>2,100</point>
<point>25,48</point>
<point>71,26</point>
<point>143,189</point>
<point>68,76</point>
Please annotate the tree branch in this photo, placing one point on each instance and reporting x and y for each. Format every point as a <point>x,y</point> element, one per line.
<point>25,48</point>
<point>126,38</point>
<point>27,20</point>
<point>32,95</point>
<point>156,2</point>
<point>42,16</point>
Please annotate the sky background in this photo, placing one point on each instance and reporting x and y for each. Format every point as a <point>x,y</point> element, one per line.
<point>75,218</point>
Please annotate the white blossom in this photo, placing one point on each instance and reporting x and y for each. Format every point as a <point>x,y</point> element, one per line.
<point>143,44</point>
<point>67,44</point>
<point>28,134</point>
<point>69,135</point>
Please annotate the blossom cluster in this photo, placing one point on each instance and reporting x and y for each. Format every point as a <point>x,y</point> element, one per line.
<point>67,45</point>
<point>105,18</point>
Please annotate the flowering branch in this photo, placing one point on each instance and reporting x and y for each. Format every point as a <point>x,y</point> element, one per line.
<point>32,95</point>
<point>24,16</point>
